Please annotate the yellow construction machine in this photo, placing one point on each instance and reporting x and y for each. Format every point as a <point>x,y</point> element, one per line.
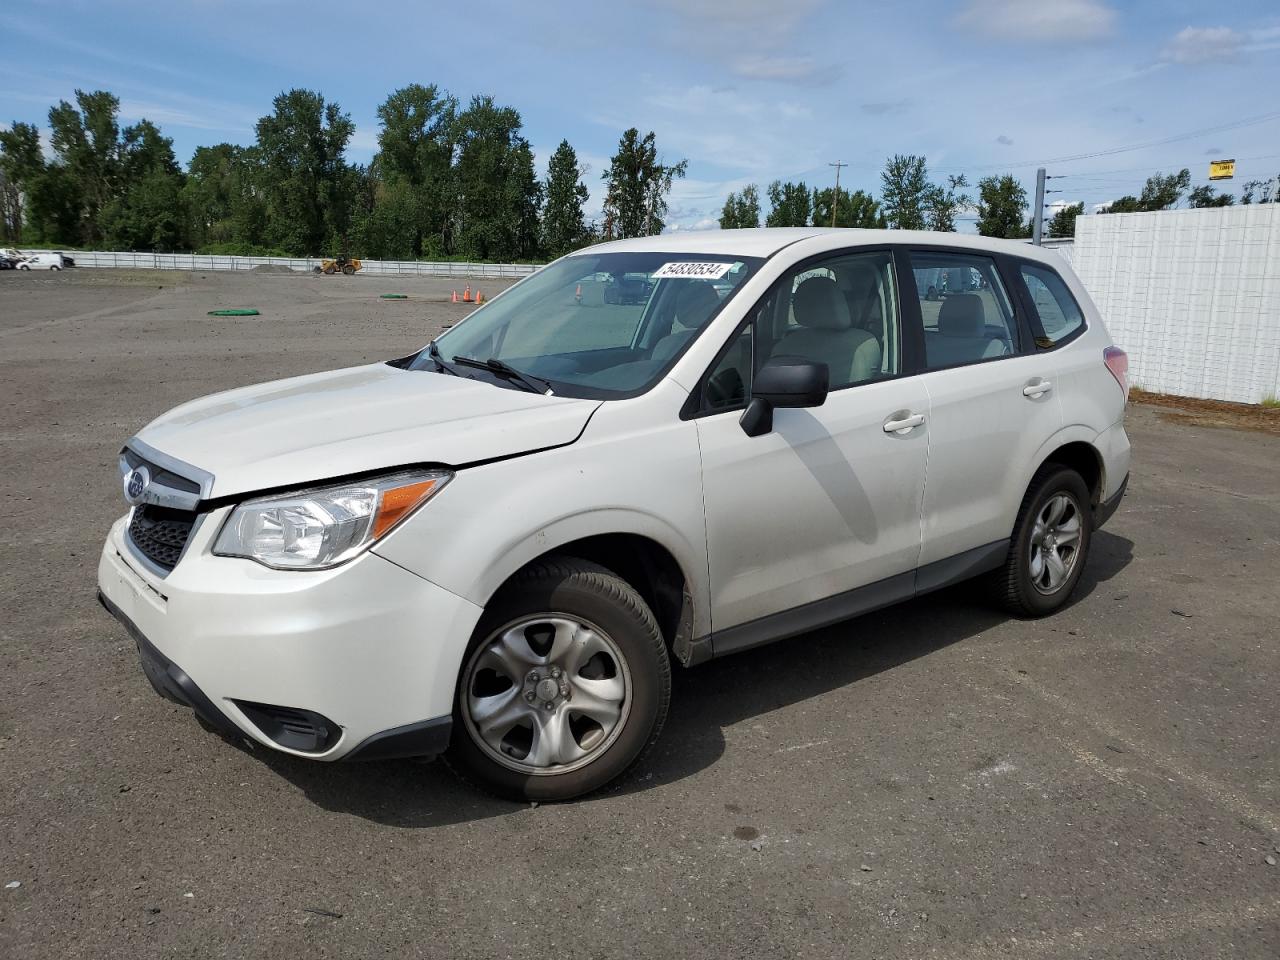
<point>341,264</point>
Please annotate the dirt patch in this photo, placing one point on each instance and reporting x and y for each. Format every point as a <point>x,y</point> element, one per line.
<point>1189,411</point>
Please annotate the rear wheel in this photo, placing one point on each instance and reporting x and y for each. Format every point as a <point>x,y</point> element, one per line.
<point>55,267</point>
<point>348,270</point>
<point>330,269</point>
<point>1050,544</point>
<point>565,685</point>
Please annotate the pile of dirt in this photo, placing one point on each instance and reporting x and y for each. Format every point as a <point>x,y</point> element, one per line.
<point>273,268</point>
<point>1190,411</point>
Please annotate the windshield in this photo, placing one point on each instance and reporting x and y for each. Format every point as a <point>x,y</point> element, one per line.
<point>603,325</point>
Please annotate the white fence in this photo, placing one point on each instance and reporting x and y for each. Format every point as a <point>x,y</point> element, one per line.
<point>1192,295</point>
<point>201,261</point>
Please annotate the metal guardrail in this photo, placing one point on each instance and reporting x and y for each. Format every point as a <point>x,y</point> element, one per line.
<point>201,261</point>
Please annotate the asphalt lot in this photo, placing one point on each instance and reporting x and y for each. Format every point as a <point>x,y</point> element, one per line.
<point>934,780</point>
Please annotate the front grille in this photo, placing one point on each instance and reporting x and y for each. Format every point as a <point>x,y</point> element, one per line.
<point>160,533</point>
<point>161,476</point>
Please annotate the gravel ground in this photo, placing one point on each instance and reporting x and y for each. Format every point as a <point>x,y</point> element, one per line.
<point>934,780</point>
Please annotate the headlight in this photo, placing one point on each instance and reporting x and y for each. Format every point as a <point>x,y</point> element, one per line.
<point>314,529</point>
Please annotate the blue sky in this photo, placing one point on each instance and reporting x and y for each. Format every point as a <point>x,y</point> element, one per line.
<point>747,91</point>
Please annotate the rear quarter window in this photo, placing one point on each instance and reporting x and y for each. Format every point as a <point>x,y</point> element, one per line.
<point>1060,315</point>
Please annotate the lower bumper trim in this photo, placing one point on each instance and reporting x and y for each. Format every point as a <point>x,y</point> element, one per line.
<point>1108,507</point>
<point>169,679</point>
<point>426,738</point>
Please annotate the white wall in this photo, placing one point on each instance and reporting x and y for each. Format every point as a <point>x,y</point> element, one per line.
<point>1192,295</point>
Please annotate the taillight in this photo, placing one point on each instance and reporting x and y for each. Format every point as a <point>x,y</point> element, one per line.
<point>1117,362</point>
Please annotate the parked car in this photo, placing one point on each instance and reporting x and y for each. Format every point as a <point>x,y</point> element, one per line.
<point>6,263</point>
<point>42,261</point>
<point>496,547</point>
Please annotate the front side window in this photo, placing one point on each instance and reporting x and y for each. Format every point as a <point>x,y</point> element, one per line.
<point>966,312</point>
<point>1059,313</point>
<point>841,311</point>
<point>601,325</point>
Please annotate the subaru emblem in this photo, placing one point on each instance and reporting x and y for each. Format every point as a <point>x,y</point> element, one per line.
<point>135,484</point>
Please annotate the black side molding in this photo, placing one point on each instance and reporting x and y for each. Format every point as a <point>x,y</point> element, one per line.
<point>851,603</point>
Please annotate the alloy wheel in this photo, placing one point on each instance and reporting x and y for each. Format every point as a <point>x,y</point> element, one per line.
<point>546,694</point>
<point>1055,543</point>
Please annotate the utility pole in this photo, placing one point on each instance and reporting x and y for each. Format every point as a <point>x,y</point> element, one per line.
<point>1037,217</point>
<point>836,202</point>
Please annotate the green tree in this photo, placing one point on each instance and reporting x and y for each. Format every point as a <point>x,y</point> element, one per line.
<point>222,203</point>
<point>563,226</point>
<point>1205,196</point>
<point>741,210</point>
<point>1160,192</point>
<point>638,186</point>
<point>1260,191</point>
<point>86,144</point>
<point>1002,203</point>
<point>943,203</point>
<point>498,190</point>
<point>303,173</point>
<point>21,166</point>
<point>792,204</point>
<point>904,192</point>
<point>856,209</point>
<point>147,212</point>
<point>1063,222</point>
<point>414,166</point>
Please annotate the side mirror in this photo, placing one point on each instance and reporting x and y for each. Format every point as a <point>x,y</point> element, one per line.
<point>783,382</point>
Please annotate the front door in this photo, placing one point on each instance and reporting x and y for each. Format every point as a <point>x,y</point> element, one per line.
<point>829,500</point>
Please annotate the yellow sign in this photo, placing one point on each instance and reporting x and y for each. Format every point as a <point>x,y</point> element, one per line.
<point>1222,169</point>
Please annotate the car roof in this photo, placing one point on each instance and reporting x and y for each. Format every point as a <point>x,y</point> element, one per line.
<point>766,241</point>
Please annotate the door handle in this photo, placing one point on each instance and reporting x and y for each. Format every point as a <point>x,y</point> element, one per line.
<point>898,423</point>
<point>1037,388</point>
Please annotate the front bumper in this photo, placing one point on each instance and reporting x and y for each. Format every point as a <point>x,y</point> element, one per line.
<point>367,647</point>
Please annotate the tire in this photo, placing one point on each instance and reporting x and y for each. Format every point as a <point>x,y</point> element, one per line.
<point>55,267</point>
<point>329,270</point>
<point>564,633</point>
<point>1030,588</point>
<point>23,266</point>
<point>348,270</point>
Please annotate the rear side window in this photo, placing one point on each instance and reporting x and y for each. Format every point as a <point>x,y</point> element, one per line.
<point>966,312</point>
<point>1060,315</point>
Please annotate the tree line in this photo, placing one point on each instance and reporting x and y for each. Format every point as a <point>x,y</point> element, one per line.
<point>911,200</point>
<point>449,180</point>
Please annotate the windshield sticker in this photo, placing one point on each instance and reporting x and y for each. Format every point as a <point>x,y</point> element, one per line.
<point>693,271</point>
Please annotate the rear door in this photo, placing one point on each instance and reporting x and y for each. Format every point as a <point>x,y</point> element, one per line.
<point>829,500</point>
<point>991,398</point>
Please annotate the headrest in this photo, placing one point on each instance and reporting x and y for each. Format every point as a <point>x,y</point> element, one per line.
<point>696,300</point>
<point>819,305</point>
<point>962,315</point>
<point>860,281</point>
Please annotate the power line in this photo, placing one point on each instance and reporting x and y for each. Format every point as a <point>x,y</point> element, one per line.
<point>1219,128</point>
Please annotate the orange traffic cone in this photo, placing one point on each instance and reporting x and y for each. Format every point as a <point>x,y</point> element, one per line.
<point>577,294</point>
<point>479,297</point>
<point>455,296</point>
<point>466,294</point>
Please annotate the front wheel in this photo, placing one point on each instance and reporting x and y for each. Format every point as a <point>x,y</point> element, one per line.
<point>23,266</point>
<point>55,267</point>
<point>565,685</point>
<point>1050,544</point>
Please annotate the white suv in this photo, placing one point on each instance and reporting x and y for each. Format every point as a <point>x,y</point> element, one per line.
<point>494,548</point>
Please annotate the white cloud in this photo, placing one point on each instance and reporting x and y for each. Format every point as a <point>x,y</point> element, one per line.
<point>799,70</point>
<point>1004,141</point>
<point>1045,20</point>
<point>706,223</point>
<point>1205,45</point>
<point>364,140</point>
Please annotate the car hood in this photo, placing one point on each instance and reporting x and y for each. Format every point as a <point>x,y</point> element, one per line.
<point>304,429</point>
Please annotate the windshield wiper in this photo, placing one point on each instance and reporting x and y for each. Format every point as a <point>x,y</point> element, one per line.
<point>433,351</point>
<point>503,369</point>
